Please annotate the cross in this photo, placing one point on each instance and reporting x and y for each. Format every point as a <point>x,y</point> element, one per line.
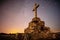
<point>35,9</point>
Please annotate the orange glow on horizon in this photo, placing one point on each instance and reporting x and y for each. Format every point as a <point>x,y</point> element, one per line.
<point>15,30</point>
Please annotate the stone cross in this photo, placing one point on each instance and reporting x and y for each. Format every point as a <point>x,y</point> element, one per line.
<point>35,9</point>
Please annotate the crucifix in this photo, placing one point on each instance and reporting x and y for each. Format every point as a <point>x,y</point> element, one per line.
<point>35,9</point>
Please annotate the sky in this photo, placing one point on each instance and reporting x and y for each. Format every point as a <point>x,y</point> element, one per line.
<point>15,15</point>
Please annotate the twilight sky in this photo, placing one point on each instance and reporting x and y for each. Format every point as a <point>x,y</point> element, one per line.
<point>16,14</point>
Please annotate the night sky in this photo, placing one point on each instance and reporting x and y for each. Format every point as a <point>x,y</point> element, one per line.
<point>16,14</point>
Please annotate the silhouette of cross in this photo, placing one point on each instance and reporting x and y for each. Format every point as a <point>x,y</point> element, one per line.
<point>35,9</point>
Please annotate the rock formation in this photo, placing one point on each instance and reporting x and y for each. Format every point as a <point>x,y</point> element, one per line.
<point>36,27</point>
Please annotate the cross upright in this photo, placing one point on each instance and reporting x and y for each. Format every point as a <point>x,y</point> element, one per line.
<point>35,9</point>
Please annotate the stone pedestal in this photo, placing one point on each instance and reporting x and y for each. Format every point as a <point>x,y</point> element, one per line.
<point>37,29</point>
